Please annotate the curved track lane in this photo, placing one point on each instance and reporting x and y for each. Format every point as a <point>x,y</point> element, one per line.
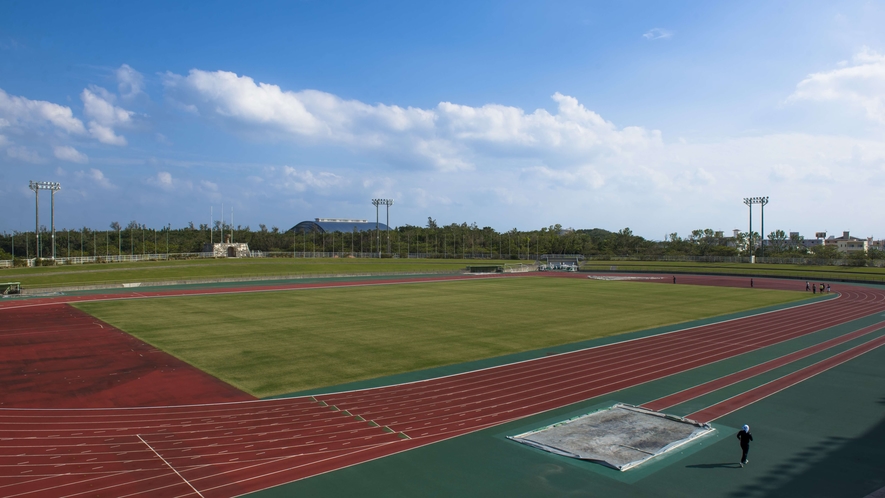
<point>228,449</point>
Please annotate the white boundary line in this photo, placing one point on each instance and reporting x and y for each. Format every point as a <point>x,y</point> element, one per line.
<point>264,400</point>
<point>170,466</point>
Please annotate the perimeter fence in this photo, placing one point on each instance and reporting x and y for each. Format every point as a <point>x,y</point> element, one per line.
<point>876,263</point>
<point>128,258</point>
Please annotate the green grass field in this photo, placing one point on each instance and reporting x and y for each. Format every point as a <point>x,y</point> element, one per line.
<point>866,274</point>
<point>158,271</point>
<point>280,342</point>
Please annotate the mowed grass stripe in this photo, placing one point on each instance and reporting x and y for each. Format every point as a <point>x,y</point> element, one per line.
<point>280,342</point>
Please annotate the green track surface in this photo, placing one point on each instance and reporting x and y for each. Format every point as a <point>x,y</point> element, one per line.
<point>857,274</point>
<point>824,437</point>
<point>280,342</point>
<point>158,271</point>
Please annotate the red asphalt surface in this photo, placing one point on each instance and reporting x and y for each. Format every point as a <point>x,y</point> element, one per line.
<point>227,449</point>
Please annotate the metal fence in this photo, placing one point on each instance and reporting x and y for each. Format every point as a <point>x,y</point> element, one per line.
<point>727,259</point>
<point>128,258</point>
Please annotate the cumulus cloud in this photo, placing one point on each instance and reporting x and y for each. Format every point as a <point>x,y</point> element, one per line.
<point>21,112</point>
<point>447,137</point>
<point>105,116</point>
<point>657,34</point>
<point>860,83</point>
<point>307,113</point>
<point>68,153</point>
<point>97,177</point>
<point>130,83</point>
<point>165,181</point>
<point>164,178</point>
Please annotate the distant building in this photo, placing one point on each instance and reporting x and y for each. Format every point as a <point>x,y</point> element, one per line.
<point>848,244</point>
<point>327,225</point>
<point>228,249</point>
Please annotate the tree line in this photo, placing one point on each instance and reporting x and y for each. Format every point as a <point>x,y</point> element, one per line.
<point>432,240</point>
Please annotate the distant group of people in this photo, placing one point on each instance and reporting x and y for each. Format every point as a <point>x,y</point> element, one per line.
<point>813,287</point>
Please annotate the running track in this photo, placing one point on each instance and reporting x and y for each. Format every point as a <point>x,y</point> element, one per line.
<point>228,449</point>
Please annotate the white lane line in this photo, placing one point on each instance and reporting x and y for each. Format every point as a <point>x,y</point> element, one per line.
<point>170,466</point>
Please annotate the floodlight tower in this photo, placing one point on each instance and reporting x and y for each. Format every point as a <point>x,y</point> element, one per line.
<point>376,203</point>
<point>762,201</point>
<point>387,203</point>
<point>36,187</point>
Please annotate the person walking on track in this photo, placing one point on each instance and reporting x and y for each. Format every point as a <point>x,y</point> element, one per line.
<point>745,437</point>
<point>807,286</point>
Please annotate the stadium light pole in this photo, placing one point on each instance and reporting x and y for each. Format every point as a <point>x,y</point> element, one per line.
<point>749,202</point>
<point>376,203</point>
<point>36,187</point>
<point>387,203</point>
<point>762,201</point>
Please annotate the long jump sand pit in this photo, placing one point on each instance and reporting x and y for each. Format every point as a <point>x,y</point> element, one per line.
<point>621,437</point>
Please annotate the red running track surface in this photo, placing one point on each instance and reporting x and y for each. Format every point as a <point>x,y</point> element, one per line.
<point>228,449</point>
<point>57,356</point>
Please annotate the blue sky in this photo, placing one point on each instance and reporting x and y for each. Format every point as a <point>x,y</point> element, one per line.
<point>656,116</point>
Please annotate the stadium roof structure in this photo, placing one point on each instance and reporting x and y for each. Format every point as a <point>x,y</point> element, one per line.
<point>324,225</point>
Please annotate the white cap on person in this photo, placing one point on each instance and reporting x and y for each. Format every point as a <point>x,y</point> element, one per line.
<point>746,428</point>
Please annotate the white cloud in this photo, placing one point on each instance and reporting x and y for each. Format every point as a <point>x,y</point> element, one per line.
<point>308,113</point>
<point>657,34</point>
<point>25,113</point>
<point>24,154</point>
<point>860,84</point>
<point>581,177</point>
<point>449,137</point>
<point>68,153</point>
<point>97,177</point>
<point>130,82</point>
<point>105,116</point>
<point>290,178</point>
<point>164,178</point>
<point>105,134</point>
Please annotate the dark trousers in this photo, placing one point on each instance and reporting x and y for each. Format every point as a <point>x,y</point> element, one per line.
<point>746,450</point>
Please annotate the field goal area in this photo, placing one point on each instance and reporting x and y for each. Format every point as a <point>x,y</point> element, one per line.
<point>7,288</point>
<point>622,436</point>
